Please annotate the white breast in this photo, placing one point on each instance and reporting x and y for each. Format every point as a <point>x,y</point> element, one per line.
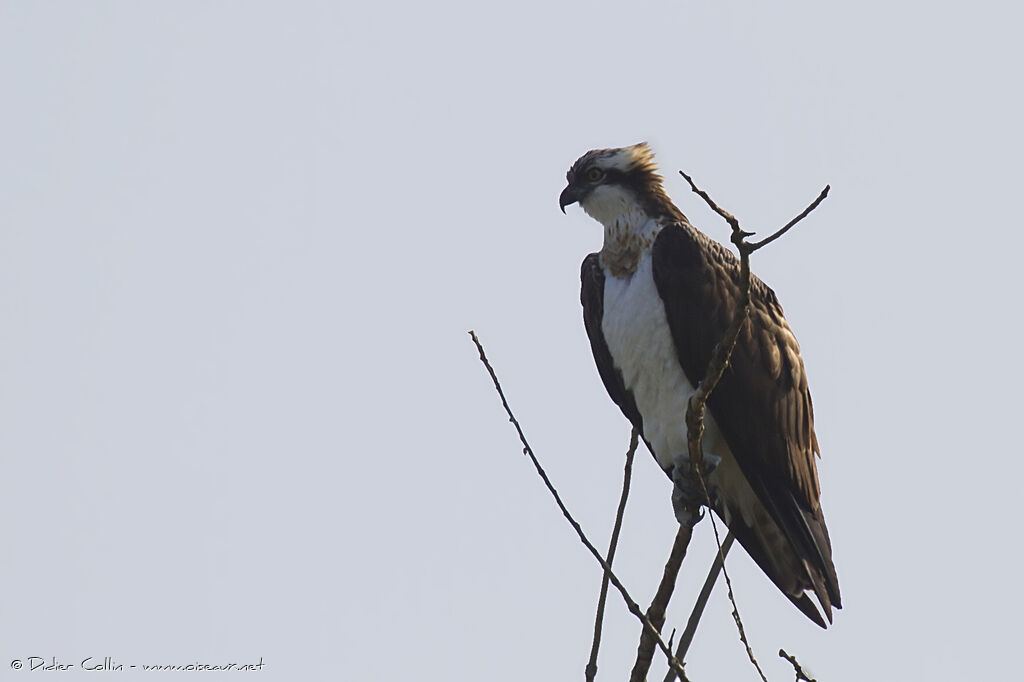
<point>636,330</point>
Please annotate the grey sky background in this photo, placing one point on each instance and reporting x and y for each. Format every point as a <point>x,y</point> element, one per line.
<point>240,248</point>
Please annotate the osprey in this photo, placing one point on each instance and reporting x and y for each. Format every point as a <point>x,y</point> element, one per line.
<point>656,299</point>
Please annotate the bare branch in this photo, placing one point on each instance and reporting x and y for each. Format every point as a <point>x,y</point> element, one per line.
<point>729,218</point>
<point>814,204</point>
<point>801,676</point>
<point>702,600</point>
<point>656,611</point>
<point>631,605</point>
<point>739,235</point>
<point>591,669</point>
<point>732,599</point>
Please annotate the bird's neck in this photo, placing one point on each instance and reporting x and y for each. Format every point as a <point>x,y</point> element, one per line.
<point>626,239</point>
<point>628,233</point>
<point>631,221</point>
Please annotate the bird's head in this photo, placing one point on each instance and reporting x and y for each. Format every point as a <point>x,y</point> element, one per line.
<point>607,182</point>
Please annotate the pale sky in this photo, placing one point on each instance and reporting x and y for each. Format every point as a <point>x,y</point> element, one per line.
<point>240,248</point>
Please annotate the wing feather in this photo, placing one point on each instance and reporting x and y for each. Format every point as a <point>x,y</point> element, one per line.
<point>762,404</point>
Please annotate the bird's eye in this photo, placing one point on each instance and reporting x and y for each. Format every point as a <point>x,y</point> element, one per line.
<point>595,174</point>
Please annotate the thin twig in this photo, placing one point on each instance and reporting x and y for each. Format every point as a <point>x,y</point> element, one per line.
<point>702,600</point>
<point>631,605</point>
<point>729,218</point>
<point>813,205</point>
<point>801,675</point>
<point>591,669</point>
<point>656,611</point>
<point>732,600</point>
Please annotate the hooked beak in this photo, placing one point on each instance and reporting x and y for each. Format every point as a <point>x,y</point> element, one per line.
<point>569,195</point>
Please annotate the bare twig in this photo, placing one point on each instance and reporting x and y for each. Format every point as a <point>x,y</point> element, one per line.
<point>813,205</point>
<point>738,236</point>
<point>698,607</point>
<point>591,669</point>
<point>631,605</point>
<point>801,675</point>
<point>732,600</point>
<point>656,611</point>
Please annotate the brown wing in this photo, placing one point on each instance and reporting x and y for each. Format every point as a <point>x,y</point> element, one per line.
<point>762,404</point>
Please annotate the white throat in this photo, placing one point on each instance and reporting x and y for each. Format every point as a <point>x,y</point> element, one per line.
<point>628,230</point>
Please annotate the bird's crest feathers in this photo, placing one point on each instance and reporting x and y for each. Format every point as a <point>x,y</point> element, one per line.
<point>634,158</point>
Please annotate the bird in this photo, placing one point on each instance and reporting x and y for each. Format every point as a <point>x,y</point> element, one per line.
<point>656,299</point>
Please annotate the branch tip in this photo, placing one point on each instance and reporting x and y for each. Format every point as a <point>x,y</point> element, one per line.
<point>801,674</point>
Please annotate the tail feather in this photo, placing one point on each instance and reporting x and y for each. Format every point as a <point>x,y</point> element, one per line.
<point>827,571</point>
<point>795,573</point>
<point>807,607</point>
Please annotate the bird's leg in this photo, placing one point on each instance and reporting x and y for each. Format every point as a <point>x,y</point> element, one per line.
<point>688,491</point>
